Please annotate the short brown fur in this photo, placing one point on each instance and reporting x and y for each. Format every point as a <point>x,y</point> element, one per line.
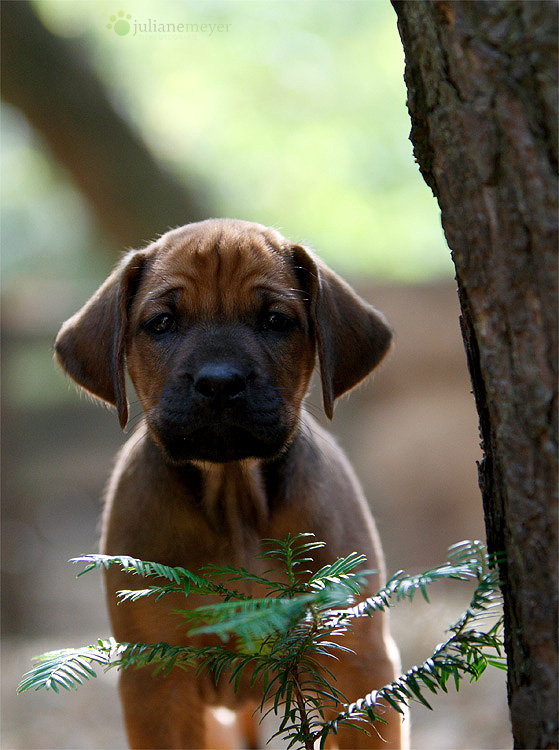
<point>219,324</point>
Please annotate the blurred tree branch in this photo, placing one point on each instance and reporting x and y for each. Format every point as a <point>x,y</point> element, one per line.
<point>50,80</point>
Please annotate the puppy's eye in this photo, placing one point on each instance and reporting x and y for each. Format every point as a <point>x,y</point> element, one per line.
<point>278,322</point>
<point>160,324</point>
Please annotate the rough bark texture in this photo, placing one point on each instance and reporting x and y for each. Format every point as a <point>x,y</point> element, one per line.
<point>50,80</point>
<point>482,95</point>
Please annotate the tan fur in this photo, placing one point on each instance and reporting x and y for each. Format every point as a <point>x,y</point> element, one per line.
<point>219,324</point>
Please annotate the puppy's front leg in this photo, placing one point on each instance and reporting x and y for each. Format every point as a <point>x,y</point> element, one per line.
<point>162,711</point>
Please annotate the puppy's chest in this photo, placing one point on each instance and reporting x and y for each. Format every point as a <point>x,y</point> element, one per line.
<point>233,498</point>
<point>193,515</point>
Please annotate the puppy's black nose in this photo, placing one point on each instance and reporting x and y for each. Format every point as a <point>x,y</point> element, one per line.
<point>219,383</point>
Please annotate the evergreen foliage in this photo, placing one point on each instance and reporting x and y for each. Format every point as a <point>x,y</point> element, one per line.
<point>277,638</point>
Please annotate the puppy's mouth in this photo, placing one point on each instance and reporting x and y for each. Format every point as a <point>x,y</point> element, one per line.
<point>218,443</point>
<point>209,445</point>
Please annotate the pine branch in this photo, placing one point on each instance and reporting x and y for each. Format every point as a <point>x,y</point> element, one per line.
<point>468,651</point>
<point>183,581</point>
<point>278,638</point>
<point>252,620</point>
<point>68,668</point>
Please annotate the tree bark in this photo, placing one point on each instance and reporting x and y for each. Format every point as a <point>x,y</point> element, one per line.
<point>482,96</point>
<point>49,79</point>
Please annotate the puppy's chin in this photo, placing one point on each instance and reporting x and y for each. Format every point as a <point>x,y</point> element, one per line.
<point>206,444</point>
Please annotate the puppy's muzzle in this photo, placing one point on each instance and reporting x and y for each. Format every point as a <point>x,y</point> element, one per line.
<point>220,409</point>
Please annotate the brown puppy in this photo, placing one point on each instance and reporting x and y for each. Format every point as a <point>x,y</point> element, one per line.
<point>219,324</point>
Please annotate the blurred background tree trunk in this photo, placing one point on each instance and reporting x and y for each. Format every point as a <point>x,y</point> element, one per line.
<point>50,80</point>
<point>482,95</point>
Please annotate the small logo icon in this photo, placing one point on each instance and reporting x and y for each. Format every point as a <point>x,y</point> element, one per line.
<point>119,24</point>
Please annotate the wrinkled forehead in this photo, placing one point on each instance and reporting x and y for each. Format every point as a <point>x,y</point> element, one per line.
<point>216,267</point>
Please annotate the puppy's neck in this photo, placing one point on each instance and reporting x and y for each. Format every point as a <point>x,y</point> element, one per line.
<point>234,499</point>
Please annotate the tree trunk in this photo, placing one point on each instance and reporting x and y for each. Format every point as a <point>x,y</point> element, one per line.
<point>50,80</point>
<point>482,95</point>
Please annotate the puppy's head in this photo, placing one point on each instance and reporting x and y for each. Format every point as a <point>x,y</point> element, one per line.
<point>219,324</point>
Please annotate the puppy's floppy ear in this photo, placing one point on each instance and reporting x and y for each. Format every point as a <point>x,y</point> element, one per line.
<point>351,336</point>
<point>91,345</point>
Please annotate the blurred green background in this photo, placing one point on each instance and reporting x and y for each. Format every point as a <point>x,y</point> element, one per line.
<point>295,117</point>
